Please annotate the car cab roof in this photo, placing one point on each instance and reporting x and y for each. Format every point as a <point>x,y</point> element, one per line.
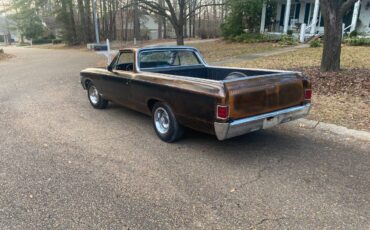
<point>160,47</point>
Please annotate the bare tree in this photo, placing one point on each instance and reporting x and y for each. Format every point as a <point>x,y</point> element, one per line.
<point>176,12</point>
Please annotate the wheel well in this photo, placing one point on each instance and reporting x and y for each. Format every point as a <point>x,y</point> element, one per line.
<point>86,83</point>
<point>151,103</point>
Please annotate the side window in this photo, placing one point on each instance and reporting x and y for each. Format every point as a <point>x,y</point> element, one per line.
<point>187,58</point>
<point>125,61</point>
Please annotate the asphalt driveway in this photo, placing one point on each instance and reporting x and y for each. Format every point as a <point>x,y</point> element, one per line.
<point>65,165</point>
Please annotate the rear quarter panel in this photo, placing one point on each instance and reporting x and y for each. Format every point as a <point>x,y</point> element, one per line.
<point>193,101</point>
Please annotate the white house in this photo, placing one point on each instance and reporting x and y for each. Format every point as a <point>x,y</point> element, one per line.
<point>6,34</point>
<point>305,16</point>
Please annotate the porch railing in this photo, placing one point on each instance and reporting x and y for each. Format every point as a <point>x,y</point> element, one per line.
<point>304,29</point>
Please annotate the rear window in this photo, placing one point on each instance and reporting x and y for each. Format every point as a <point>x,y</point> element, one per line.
<point>167,58</point>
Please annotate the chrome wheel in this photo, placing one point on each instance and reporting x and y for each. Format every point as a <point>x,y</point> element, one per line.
<point>161,120</point>
<point>93,95</point>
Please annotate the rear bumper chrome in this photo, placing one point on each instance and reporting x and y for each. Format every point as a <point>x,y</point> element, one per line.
<point>246,125</point>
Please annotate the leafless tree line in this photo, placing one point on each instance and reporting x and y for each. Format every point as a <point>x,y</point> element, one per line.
<point>128,19</point>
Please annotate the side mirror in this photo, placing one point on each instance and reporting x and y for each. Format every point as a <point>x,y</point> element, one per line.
<point>109,68</point>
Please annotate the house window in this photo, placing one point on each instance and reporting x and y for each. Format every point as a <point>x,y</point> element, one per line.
<point>307,12</point>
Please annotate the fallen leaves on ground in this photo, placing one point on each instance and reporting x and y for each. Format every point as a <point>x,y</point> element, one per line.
<point>350,82</point>
<point>4,56</point>
<point>342,98</point>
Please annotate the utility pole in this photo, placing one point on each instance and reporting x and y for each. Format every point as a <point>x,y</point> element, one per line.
<point>96,23</point>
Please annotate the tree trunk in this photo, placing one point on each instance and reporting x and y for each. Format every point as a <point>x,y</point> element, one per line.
<point>72,22</point>
<point>333,12</point>
<point>136,21</point>
<point>100,11</point>
<point>83,20</point>
<point>88,21</point>
<point>126,23</point>
<point>164,28</point>
<point>160,28</point>
<point>179,35</point>
<point>179,28</point>
<point>332,45</point>
<point>160,22</point>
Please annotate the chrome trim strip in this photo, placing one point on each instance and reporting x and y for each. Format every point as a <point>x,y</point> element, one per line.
<point>267,115</point>
<point>242,126</point>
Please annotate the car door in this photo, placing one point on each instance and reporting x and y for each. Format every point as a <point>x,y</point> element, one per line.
<point>118,83</point>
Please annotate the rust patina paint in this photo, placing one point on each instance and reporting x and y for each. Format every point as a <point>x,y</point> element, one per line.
<point>194,103</point>
<point>194,100</point>
<point>263,95</point>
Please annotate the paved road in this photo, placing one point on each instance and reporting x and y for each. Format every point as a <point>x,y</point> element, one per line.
<point>64,165</point>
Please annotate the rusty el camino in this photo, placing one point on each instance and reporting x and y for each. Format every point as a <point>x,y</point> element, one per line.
<point>176,87</point>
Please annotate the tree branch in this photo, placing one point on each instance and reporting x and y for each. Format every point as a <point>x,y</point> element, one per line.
<point>191,13</point>
<point>346,5</point>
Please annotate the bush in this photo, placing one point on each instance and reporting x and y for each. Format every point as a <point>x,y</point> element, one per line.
<point>253,38</point>
<point>24,44</point>
<point>353,34</point>
<point>315,43</point>
<point>288,40</point>
<point>244,14</point>
<point>56,41</point>
<point>358,41</point>
<point>289,32</point>
<point>40,41</point>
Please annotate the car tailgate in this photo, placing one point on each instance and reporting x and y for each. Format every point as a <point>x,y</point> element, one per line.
<point>263,94</point>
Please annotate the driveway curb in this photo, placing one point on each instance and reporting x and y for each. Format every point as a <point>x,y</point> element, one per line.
<point>340,130</point>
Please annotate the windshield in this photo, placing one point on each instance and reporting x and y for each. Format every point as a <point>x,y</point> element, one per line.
<point>167,58</point>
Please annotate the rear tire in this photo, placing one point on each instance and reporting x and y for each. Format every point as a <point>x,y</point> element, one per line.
<point>165,123</point>
<point>96,100</point>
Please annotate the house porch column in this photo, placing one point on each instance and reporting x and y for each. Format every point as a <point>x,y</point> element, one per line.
<point>356,10</point>
<point>287,15</point>
<point>263,18</point>
<point>315,17</point>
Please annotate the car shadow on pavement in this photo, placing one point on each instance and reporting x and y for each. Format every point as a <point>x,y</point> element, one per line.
<point>275,141</point>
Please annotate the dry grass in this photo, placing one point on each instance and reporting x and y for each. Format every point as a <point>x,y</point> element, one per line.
<point>220,50</point>
<point>349,111</point>
<point>352,57</point>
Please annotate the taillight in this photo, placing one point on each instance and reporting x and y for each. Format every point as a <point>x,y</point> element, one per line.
<point>308,94</point>
<point>222,112</point>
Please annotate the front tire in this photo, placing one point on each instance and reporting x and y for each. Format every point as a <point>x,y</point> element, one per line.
<point>96,100</point>
<point>165,123</point>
